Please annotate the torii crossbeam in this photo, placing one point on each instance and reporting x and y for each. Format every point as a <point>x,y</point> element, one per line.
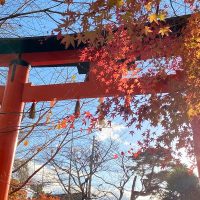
<point>19,55</point>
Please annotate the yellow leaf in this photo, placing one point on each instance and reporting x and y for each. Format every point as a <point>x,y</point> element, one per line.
<point>165,31</point>
<point>74,78</point>
<point>162,16</point>
<point>193,110</point>
<point>111,3</point>
<point>147,30</point>
<point>191,113</point>
<point>120,3</point>
<point>25,142</point>
<point>58,126</point>
<point>153,18</point>
<point>148,6</point>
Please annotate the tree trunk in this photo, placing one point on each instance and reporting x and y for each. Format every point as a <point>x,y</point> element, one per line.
<point>133,196</point>
<point>91,170</point>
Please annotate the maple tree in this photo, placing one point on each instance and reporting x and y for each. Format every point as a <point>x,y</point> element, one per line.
<point>125,34</point>
<point>135,39</point>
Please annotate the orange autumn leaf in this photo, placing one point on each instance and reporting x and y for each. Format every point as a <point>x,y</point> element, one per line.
<point>63,123</point>
<point>26,142</point>
<point>148,6</point>
<point>147,30</point>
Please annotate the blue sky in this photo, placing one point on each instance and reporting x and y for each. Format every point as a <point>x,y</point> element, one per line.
<point>41,25</point>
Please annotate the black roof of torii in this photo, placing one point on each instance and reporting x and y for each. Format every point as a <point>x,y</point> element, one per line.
<point>51,43</point>
<point>48,44</point>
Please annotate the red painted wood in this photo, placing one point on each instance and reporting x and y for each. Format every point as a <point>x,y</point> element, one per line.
<point>90,89</point>
<point>12,108</point>
<point>1,93</point>
<point>44,58</point>
<point>73,56</point>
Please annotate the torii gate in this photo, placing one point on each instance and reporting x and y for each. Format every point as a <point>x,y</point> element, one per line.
<point>19,54</point>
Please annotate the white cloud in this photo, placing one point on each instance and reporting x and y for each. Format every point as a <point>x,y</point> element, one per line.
<point>110,133</point>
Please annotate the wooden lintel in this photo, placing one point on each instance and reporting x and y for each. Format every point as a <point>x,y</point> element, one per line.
<point>44,58</point>
<point>92,89</point>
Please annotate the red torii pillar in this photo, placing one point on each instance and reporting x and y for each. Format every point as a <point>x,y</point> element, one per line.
<point>10,119</point>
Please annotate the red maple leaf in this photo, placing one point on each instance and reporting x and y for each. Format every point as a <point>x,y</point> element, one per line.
<point>115,156</point>
<point>88,115</point>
